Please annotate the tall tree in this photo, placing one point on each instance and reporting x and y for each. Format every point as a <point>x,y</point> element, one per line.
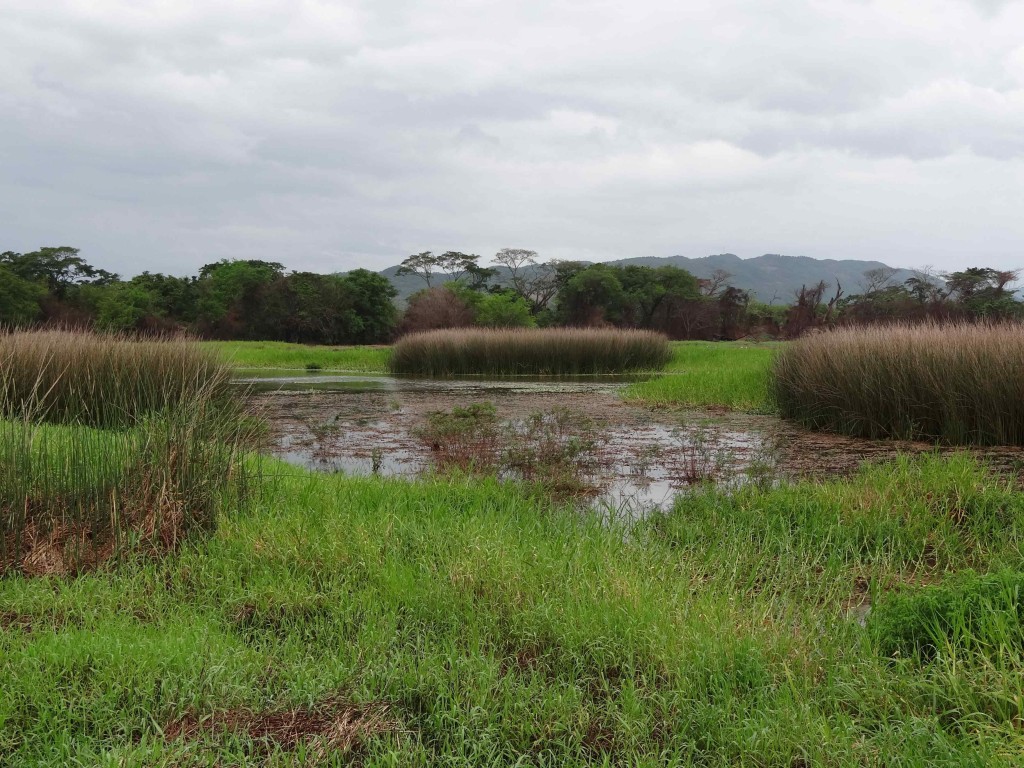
<point>423,265</point>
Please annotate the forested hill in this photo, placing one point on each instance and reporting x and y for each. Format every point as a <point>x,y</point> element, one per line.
<point>775,275</point>
<point>767,277</point>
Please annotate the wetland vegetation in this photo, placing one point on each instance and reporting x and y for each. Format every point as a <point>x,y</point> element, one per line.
<point>476,617</point>
<point>516,352</point>
<point>960,384</point>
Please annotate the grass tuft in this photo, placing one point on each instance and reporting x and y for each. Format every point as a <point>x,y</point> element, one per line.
<point>968,612</point>
<point>108,445</point>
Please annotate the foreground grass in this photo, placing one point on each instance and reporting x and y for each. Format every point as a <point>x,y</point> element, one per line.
<point>279,354</point>
<point>492,629</point>
<point>702,373</point>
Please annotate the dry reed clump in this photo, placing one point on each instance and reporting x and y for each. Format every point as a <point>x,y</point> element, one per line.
<point>73,495</point>
<point>511,352</point>
<point>71,377</point>
<point>960,384</point>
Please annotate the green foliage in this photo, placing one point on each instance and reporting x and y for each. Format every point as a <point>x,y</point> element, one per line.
<point>496,308</point>
<point>232,285</point>
<point>510,352</point>
<point>504,310</point>
<point>968,613</point>
<point>19,298</point>
<point>58,268</point>
<point>122,306</point>
<point>961,384</point>
<point>373,307</point>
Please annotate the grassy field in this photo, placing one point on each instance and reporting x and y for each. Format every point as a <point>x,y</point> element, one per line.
<point>727,374</point>
<point>278,354</point>
<point>448,623</point>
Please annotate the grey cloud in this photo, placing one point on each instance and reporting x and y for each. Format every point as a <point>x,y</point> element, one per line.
<point>330,135</point>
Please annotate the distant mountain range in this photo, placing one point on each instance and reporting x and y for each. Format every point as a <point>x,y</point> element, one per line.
<point>770,278</point>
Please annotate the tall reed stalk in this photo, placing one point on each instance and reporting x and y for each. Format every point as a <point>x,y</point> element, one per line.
<point>960,384</point>
<point>114,445</point>
<point>511,352</point>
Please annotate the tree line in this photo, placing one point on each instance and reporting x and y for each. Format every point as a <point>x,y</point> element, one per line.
<point>253,299</point>
<point>240,299</point>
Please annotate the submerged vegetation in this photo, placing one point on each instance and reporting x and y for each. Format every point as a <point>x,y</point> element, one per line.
<point>959,384</point>
<point>109,444</point>
<point>511,352</point>
<point>555,450</point>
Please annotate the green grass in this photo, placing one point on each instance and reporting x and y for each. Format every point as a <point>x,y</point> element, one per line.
<point>528,351</point>
<point>279,354</point>
<point>501,631</point>
<point>701,373</point>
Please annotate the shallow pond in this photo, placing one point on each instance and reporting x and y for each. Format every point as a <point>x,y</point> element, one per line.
<point>365,424</point>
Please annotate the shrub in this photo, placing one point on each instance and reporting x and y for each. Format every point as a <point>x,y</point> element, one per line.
<point>967,613</point>
<point>434,308</point>
<point>103,381</point>
<point>961,384</point>
<point>510,352</point>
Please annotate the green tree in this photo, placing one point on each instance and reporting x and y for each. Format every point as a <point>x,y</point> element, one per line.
<point>228,295</point>
<point>19,298</point>
<point>423,265</point>
<point>373,303</point>
<point>58,268</point>
<point>123,306</point>
<point>503,309</point>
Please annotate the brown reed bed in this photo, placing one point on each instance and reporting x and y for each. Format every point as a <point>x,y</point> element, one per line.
<point>959,384</point>
<point>514,352</point>
<point>70,377</point>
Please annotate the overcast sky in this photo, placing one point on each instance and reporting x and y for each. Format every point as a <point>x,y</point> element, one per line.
<point>333,135</point>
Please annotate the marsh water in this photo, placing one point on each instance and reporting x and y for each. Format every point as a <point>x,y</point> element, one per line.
<point>644,456</point>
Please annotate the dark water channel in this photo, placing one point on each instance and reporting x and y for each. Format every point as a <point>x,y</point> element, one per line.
<point>361,424</point>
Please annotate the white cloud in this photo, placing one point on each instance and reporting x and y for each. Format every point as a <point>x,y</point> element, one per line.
<point>330,135</point>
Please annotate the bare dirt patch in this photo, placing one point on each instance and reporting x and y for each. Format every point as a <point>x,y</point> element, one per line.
<point>332,725</point>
